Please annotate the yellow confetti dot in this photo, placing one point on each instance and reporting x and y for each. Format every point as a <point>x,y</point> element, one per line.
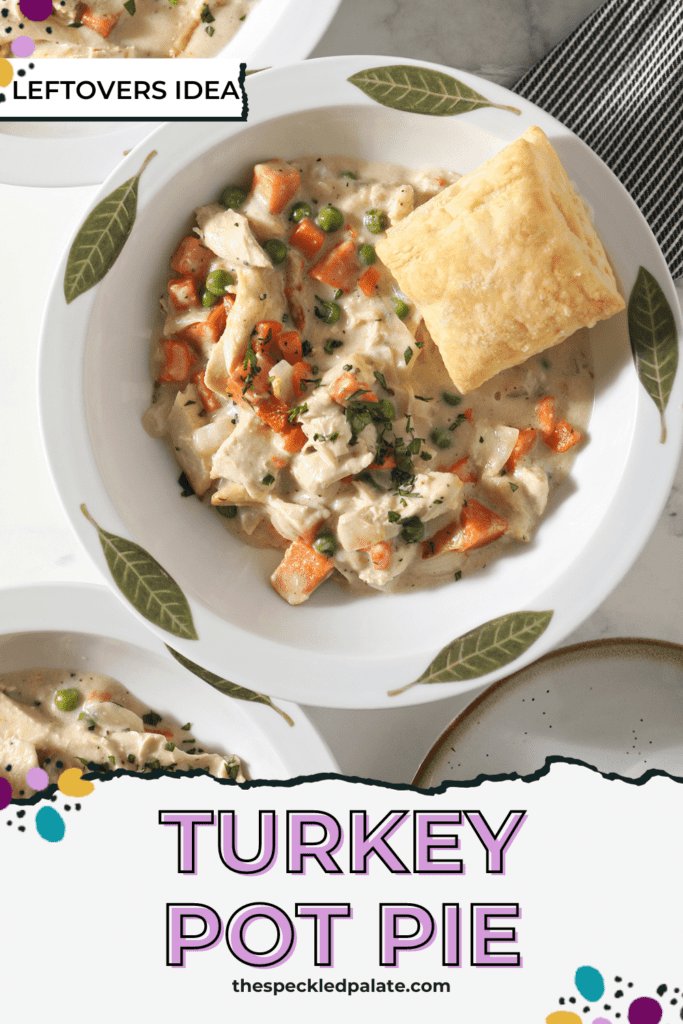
<point>71,784</point>
<point>6,72</point>
<point>563,1017</point>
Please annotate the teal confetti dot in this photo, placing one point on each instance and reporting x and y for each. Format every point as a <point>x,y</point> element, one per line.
<point>590,983</point>
<point>50,824</point>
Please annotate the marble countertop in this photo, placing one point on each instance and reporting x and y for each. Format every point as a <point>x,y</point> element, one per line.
<point>498,39</point>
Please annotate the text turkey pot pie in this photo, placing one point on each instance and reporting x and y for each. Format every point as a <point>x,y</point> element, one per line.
<point>361,366</point>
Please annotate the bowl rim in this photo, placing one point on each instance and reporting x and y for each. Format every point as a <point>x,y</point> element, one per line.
<point>270,97</point>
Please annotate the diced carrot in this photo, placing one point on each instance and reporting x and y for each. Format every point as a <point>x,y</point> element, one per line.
<point>367,282</point>
<point>442,540</point>
<point>380,554</point>
<point>104,696</point>
<point>300,572</point>
<point>276,182</point>
<point>468,414</point>
<point>208,398</point>
<point>182,292</point>
<point>100,23</point>
<point>307,237</point>
<point>246,382</point>
<point>524,443</point>
<point>300,372</point>
<point>545,410</point>
<point>208,331</point>
<point>168,733</point>
<point>191,257</point>
<point>476,527</point>
<point>460,470</point>
<point>563,437</point>
<point>278,462</point>
<point>275,413</point>
<point>291,347</point>
<point>338,267</point>
<point>177,361</point>
<point>264,338</point>
<point>295,440</point>
<point>346,386</point>
<point>479,526</point>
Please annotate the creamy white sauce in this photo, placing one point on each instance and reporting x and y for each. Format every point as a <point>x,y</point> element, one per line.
<point>156,29</point>
<point>231,456</point>
<point>103,724</point>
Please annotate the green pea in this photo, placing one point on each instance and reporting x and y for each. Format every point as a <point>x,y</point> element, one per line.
<point>367,254</point>
<point>299,211</point>
<point>401,308</point>
<point>227,511</point>
<point>330,218</point>
<point>218,280</point>
<point>276,249</point>
<point>375,221</point>
<point>348,174</point>
<point>450,399</point>
<point>325,543</point>
<point>413,529</point>
<point>232,197</point>
<point>441,438</point>
<point>328,312</point>
<point>67,700</point>
<point>208,298</point>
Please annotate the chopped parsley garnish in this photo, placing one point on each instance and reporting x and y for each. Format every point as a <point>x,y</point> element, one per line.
<point>209,30</point>
<point>331,344</point>
<point>513,487</point>
<point>382,380</point>
<point>347,367</point>
<point>112,759</point>
<point>268,480</point>
<point>458,575</point>
<point>394,517</point>
<point>297,411</point>
<point>186,727</point>
<point>151,718</point>
<point>450,399</point>
<point>206,15</point>
<point>130,7</point>
<point>327,437</point>
<point>367,478</point>
<point>306,348</point>
<point>408,354</point>
<point>170,745</point>
<point>131,759</point>
<point>421,398</point>
<point>460,418</point>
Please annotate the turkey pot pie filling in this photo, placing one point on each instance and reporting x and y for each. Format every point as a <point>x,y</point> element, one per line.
<point>57,719</point>
<point>304,398</point>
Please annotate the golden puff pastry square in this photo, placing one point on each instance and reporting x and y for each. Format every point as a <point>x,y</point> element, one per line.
<point>504,263</point>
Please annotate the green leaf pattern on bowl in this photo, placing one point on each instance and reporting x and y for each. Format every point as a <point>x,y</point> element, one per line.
<point>145,583</point>
<point>101,237</point>
<point>421,91</point>
<point>654,342</point>
<point>485,648</point>
<point>225,686</point>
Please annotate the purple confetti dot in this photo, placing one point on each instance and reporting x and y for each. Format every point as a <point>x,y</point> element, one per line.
<point>5,793</point>
<point>36,10</point>
<point>23,46</point>
<point>644,1011</point>
<point>37,778</point>
<point>601,1020</point>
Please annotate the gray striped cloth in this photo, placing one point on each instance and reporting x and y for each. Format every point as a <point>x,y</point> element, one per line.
<point>617,82</point>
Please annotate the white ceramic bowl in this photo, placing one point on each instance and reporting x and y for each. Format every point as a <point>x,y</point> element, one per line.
<point>337,650</point>
<point>62,626</point>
